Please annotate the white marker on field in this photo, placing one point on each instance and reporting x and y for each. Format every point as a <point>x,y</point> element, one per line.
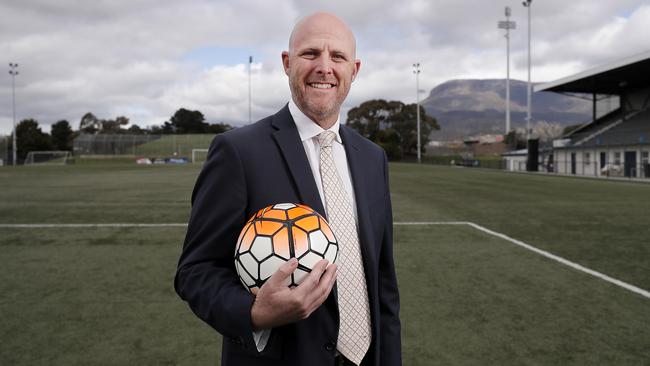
<point>546,254</point>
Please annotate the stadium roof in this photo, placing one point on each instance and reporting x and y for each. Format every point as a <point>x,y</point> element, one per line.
<point>611,78</point>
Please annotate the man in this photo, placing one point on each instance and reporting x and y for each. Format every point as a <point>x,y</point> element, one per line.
<point>341,314</point>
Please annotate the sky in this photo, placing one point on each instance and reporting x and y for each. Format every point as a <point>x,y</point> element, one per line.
<point>145,59</point>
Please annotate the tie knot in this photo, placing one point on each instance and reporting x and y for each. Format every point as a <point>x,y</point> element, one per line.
<point>325,138</point>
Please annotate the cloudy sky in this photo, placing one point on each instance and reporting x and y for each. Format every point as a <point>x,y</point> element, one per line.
<point>144,59</point>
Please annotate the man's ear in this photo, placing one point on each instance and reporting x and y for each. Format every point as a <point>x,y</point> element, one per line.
<point>285,61</point>
<point>357,66</point>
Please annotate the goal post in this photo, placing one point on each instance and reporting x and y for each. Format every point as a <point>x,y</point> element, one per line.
<point>199,155</point>
<point>48,157</point>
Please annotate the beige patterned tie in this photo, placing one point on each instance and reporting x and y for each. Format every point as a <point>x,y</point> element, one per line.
<point>354,312</point>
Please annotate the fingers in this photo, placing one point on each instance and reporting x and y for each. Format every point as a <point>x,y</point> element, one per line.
<point>322,291</point>
<point>317,285</point>
<point>311,281</point>
<point>285,270</point>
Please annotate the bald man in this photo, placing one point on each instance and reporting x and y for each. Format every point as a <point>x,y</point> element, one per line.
<point>343,313</point>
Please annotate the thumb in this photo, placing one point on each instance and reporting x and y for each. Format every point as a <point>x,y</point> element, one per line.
<point>286,269</point>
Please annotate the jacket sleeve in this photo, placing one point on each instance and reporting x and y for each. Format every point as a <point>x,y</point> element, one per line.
<point>206,277</point>
<point>390,327</point>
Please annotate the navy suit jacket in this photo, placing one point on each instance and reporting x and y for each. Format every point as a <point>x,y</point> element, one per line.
<point>262,164</point>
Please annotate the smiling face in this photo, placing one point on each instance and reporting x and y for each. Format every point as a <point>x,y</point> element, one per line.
<point>321,66</point>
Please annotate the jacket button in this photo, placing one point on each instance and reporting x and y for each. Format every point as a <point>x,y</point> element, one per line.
<point>329,346</point>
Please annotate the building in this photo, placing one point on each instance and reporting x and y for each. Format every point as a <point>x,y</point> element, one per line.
<point>617,140</point>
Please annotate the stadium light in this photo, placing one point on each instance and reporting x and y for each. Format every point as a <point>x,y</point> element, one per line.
<point>13,70</point>
<point>250,63</point>
<point>527,4</point>
<point>507,25</point>
<point>416,71</point>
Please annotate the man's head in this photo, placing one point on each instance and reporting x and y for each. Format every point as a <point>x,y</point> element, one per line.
<point>321,64</point>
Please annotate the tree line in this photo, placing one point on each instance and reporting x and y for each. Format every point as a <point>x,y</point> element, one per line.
<point>390,124</point>
<point>30,137</point>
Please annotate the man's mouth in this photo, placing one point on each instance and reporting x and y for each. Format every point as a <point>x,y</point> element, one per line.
<point>321,85</point>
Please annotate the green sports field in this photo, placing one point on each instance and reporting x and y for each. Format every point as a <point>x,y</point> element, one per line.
<point>104,296</point>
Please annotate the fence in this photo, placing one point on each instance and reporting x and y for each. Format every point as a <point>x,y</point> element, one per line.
<point>153,146</point>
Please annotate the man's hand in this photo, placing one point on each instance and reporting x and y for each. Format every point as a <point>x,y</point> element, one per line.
<point>276,304</point>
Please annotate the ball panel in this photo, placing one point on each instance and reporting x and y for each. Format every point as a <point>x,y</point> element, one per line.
<point>298,211</point>
<point>318,242</point>
<point>270,266</point>
<point>247,240</point>
<point>249,264</point>
<point>262,247</point>
<point>266,227</point>
<point>284,206</point>
<point>244,276</point>
<point>310,259</point>
<point>275,214</point>
<point>309,223</point>
<point>331,253</point>
<point>300,241</point>
<point>327,230</point>
<point>281,243</point>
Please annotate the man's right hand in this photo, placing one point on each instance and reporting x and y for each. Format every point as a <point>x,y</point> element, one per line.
<point>276,304</point>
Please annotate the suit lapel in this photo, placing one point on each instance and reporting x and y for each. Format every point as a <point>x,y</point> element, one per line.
<point>358,164</point>
<point>293,152</point>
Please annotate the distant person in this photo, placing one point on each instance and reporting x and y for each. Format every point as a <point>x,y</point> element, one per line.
<point>342,314</point>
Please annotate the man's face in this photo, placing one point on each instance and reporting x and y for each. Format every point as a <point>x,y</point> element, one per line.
<point>321,66</point>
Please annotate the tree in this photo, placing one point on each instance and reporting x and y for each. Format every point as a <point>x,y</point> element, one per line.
<point>547,132</point>
<point>113,126</point>
<point>30,138</point>
<point>89,124</point>
<point>136,130</point>
<point>392,125</point>
<point>405,124</point>
<point>62,135</point>
<point>186,121</point>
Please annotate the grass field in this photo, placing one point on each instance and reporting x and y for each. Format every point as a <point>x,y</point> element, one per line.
<point>104,296</point>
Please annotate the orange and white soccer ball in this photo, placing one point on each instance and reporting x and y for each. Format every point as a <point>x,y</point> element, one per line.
<point>278,233</point>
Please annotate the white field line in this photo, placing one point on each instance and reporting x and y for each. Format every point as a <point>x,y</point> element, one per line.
<point>520,243</point>
<point>544,253</point>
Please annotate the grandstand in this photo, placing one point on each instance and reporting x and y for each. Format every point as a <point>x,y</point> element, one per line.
<point>617,143</point>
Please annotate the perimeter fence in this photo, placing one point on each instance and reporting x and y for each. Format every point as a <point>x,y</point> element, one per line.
<point>150,146</point>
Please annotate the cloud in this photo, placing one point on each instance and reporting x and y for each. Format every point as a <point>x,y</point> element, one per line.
<point>145,59</point>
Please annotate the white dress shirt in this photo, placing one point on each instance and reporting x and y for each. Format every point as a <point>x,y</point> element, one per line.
<point>309,131</point>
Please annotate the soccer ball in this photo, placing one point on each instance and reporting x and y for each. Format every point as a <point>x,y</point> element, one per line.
<point>280,232</point>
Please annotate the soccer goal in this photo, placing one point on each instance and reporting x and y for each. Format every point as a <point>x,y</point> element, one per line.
<point>199,155</point>
<point>48,158</point>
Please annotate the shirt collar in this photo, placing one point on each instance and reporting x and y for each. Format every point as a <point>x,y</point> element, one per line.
<point>308,129</point>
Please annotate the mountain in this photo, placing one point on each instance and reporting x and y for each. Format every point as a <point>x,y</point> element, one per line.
<point>470,107</point>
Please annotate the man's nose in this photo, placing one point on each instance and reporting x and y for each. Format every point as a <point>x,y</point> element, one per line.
<point>324,64</point>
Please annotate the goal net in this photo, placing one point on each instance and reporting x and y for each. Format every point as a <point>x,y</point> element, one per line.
<point>48,158</point>
<point>199,155</point>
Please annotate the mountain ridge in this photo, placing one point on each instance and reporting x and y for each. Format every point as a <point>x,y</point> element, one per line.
<point>477,106</point>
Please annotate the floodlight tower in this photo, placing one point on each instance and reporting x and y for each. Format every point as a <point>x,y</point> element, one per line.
<point>13,70</point>
<point>527,4</point>
<point>416,71</point>
<point>507,25</point>
<point>250,63</point>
